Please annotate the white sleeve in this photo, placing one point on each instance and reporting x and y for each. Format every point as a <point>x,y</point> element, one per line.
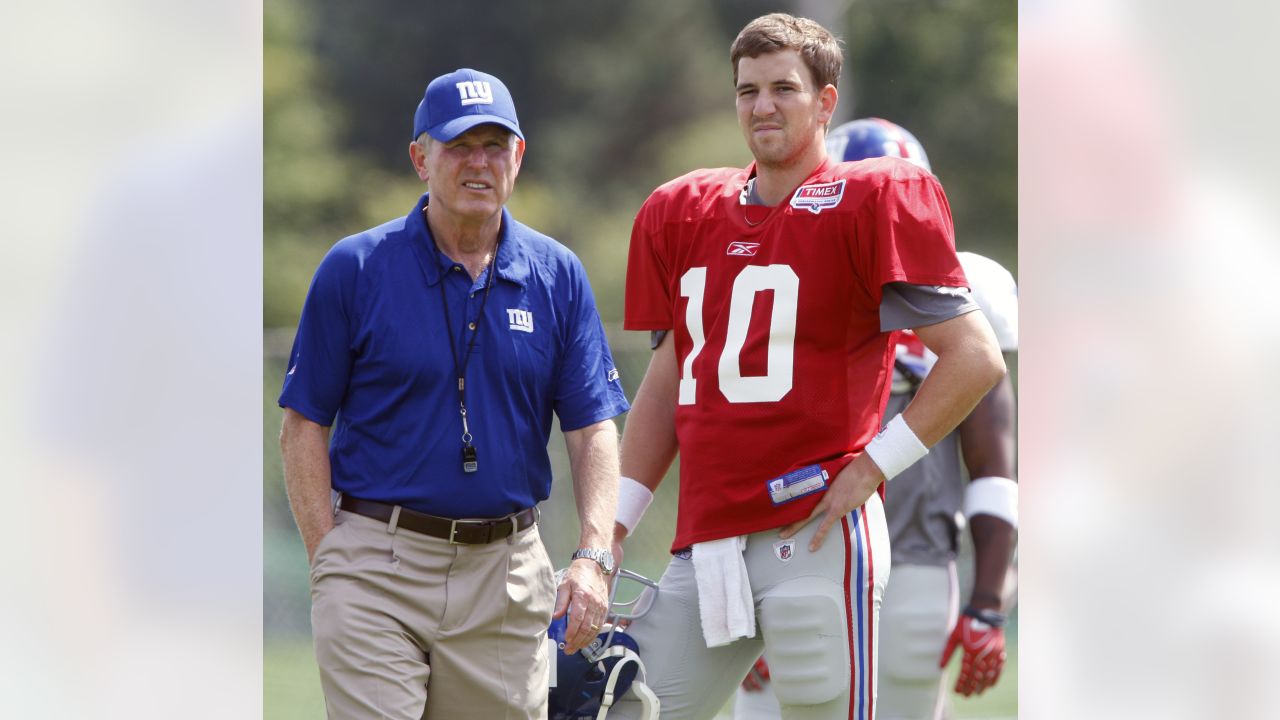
<point>996,292</point>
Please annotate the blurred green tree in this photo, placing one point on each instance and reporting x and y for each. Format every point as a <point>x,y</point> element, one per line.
<point>615,98</point>
<point>948,71</point>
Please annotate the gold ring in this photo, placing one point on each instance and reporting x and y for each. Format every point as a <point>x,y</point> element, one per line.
<point>595,628</point>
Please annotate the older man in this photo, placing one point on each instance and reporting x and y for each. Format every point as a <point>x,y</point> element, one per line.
<point>437,346</point>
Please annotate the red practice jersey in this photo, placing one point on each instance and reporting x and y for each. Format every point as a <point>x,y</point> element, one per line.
<point>776,319</point>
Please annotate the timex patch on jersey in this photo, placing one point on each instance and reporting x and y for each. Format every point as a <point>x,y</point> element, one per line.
<point>818,197</point>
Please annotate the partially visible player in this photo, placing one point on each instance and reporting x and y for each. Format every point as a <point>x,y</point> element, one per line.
<point>783,286</point>
<point>928,504</point>
<point>876,137</point>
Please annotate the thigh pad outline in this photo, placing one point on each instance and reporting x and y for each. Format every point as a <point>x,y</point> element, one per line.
<point>911,642</point>
<point>806,642</point>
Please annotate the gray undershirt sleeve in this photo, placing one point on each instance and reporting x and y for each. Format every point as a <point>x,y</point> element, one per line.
<point>904,305</point>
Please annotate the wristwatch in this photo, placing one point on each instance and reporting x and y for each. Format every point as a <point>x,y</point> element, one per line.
<point>600,555</point>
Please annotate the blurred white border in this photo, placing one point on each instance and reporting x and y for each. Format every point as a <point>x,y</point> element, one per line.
<point>131,296</point>
<point>1149,550</point>
<point>130,427</point>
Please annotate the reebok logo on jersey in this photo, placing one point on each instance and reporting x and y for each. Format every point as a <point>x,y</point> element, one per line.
<point>745,249</point>
<point>475,92</point>
<point>613,375</point>
<point>521,320</point>
<point>816,198</point>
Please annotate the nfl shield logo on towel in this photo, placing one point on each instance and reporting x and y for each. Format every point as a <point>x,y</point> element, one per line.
<point>784,549</point>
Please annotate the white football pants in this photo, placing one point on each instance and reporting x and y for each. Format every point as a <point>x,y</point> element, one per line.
<point>817,618</point>
<point>920,608</point>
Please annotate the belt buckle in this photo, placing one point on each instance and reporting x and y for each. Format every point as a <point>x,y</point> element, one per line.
<point>453,532</point>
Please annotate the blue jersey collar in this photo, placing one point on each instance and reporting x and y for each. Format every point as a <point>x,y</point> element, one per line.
<point>513,257</point>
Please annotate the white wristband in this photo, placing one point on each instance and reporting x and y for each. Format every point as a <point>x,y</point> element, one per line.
<point>633,500</point>
<point>895,448</point>
<point>994,496</point>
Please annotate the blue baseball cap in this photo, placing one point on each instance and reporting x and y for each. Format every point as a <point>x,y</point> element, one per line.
<point>456,102</point>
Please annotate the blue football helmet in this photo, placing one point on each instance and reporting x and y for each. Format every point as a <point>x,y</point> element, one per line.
<point>874,137</point>
<point>585,685</point>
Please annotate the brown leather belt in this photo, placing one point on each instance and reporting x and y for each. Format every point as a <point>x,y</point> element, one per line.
<point>466,532</point>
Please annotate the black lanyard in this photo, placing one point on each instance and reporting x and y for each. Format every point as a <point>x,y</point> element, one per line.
<point>469,461</point>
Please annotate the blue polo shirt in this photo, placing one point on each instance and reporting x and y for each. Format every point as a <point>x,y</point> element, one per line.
<point>372,351</point>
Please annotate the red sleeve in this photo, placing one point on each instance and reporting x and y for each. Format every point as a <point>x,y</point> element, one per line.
<point>648,296</point>
<point>904,234</point>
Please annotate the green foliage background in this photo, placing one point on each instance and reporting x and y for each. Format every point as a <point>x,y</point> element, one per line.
<point>615,98</point>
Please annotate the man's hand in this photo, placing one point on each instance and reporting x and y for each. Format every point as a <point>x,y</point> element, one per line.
<point>983,647</point>
<point>311,546</point>
<point>757,676</point>
<point>583,594</point>
<point>851,488</point>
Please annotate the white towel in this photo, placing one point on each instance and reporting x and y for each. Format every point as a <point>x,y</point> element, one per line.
<point>724,591</point>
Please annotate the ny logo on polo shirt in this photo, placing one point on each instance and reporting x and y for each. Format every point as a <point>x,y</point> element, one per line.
<point>475,92</point>
<point>521,320</point>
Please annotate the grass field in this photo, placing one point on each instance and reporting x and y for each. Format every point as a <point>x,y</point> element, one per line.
<point>291,687</point>
<point>290,682</point>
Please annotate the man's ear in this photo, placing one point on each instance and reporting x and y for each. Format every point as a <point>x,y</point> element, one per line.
<point>519,153</point>
<point>418,157</point>
<point>828,97</point>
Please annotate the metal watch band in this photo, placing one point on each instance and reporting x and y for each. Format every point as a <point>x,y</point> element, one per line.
<point>602,557</point>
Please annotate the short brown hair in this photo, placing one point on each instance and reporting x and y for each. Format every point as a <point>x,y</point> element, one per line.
<point>776,32</point>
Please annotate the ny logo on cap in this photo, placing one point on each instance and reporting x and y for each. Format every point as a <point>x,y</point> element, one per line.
<point>475,92</point>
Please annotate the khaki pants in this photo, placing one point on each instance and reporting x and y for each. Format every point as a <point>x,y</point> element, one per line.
<point>408,626</point>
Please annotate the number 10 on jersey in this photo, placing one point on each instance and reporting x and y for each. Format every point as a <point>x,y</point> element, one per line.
<point>752,279</point>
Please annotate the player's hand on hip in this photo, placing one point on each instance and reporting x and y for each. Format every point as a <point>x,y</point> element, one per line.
<point>983,648</point>
<point>851,488</point>
<point>582,594</point>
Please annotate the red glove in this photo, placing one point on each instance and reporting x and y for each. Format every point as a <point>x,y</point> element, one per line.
<point>757,676</point>
<point>980,633</point>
